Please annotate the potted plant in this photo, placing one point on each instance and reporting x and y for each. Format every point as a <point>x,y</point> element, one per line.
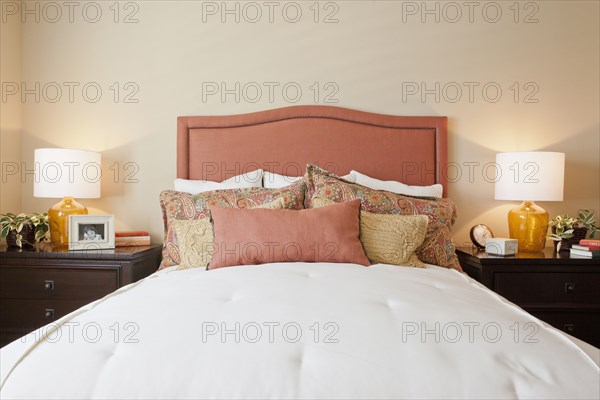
<point>567,231</point>
<point>24,229</point>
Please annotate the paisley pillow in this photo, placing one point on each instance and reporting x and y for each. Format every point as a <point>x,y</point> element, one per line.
<point>184,206</point>
<point>437,248</point>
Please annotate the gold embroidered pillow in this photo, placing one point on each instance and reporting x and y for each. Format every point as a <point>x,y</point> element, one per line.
<point>389,238</point>
<point>437,247</point>
<point>195,239</point>
<point>184,206</point>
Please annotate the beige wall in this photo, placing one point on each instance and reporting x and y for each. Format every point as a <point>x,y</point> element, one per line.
<point>10,117</point>
<point>374,51</point>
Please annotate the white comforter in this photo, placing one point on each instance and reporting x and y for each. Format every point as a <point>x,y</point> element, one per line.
<point>300,331</point>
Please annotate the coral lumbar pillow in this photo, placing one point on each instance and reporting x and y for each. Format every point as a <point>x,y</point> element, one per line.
<point>388,238</point>
<point>195,238</point>
<point>259,236</point>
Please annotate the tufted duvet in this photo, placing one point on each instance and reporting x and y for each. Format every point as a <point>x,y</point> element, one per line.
<point>300,331</point>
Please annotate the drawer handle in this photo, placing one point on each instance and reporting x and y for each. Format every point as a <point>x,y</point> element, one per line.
<point>48,285</point>
<point>49,313</point>
<point>569,287</point>
<point>569,328</point>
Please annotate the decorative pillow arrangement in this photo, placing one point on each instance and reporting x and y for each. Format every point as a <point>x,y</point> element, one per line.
<point>195,239</point>
<point>327,234</point>
<point>388,238</point>
<point>437,247</point>
<point>184,206</point>
<point>391,225</point>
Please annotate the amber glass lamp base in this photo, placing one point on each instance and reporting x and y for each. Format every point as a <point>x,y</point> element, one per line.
<point>528,223</point>
<point>58,218</point>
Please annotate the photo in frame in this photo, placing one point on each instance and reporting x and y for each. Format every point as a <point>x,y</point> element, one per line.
<point>91,232</point>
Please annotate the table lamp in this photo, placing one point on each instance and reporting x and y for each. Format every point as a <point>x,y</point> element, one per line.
<point>529,176</point>
<point>66,174</point>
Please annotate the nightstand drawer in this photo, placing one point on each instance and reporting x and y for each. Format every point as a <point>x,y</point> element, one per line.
<point>533,288</point>
<point>57,283</point>
<point>27,314</point>
<point>584,325</point>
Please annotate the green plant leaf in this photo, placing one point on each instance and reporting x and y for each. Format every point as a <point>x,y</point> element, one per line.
<point>40,232</point>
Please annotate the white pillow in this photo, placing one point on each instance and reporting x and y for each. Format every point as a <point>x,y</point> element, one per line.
<point>398,187</point>
<point>248,180</point>
<point>276,181</point>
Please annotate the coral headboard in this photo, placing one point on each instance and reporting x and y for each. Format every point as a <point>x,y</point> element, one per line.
<point>412,150</point>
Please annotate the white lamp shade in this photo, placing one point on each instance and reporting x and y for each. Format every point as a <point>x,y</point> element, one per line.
<point>66,172</point>
<point>532,175</point>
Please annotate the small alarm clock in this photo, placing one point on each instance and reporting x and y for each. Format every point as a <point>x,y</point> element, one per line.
<point>480,234</point>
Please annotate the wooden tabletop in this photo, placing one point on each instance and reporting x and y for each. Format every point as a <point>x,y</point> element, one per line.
<point>48,250</point>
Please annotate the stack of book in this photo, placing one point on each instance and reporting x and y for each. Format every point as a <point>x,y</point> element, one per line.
<point>586,248</point>
<point>135,238</point>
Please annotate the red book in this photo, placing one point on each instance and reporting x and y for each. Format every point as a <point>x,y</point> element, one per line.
<point>131,243</point>
<point>130,238</point>
<point>590,242</point>
<point>131,233</point>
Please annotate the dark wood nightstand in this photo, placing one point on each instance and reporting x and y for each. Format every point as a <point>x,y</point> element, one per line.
<point>40,285</point>
<point>558,289</point>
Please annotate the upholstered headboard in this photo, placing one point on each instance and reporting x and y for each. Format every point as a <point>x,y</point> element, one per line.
<point>412,150</point>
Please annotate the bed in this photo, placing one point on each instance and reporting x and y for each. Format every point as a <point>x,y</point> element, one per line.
<point>303,329</point>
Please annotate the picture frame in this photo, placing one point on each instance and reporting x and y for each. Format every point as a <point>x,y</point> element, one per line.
<point>91,232</point>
